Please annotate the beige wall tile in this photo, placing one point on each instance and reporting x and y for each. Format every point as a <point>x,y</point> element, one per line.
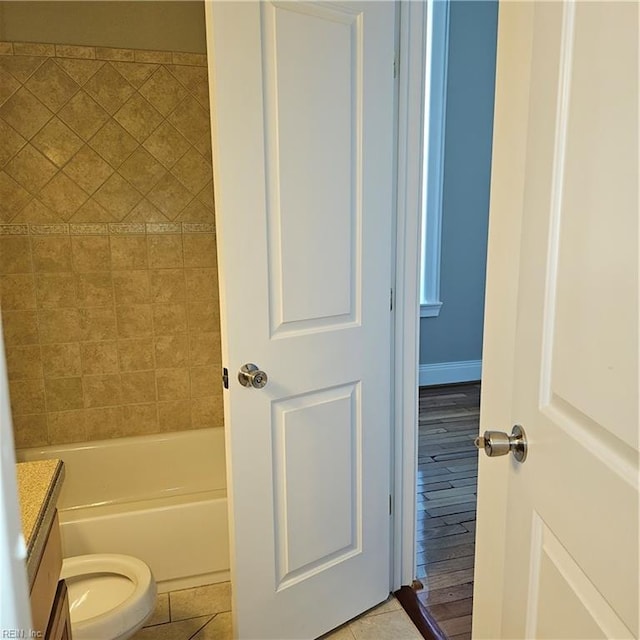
<point>131,287</point>
<point>169,318</point>
<point>168,285</point>
<point>88,170</point>
<point>98,323</point>
<point>206,412</point>
<point>166,144</point>
<point>35,212</point>
<point>108,88</point>
<point>83,114</point>
<point>202,285</point>
<point>204,349</point>
<point>117,196</point>
<point>138,117</point>
<point>102,391</point>
<point>165,251</point>
<point>174,415</point>
<point>203,317</point>
<point>51,254</point>
<point>140,419</point>
<point>163,91</point>
<point>170,196</point>
<point>30,169</point>
<point>59,325</point>
<point>61,360</point>
<point>57,142</point>
<point>135,355</point>
<point>24,363</point>
<point>51,85</point>
<point>17,291</point>
<point>30,430</point>
<point>205,381</point>
<point>104,423</point>
<point>33,49</point>
<point>74,51</point>
<point>99,357</point>
<point>63,394</point>
<point>25,113</point>
<point>13,197</point>
<point>110,53</point>
<point>79,70</point>
<point>138,386</point>
<point>137,74</point>
<point>171,351</point>
<point>56,290</point>
<point>27,396</point>
<point>94,289</point>
<point>173,384</point>
<point>142,170</point>
<point>113,143</point>
<point>134,321</point>
<point>20,327</point>
<point>63,195</point>
<point>91,253</point>
<point>15,254</point>
<point>128,252</point>
<point>199,250</point>
<point>66,426</point>
<point>193,171</point>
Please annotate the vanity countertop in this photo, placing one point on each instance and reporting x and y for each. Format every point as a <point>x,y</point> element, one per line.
<point>39,485</point>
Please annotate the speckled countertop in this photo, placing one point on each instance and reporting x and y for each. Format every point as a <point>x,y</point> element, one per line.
<point>39,485</point>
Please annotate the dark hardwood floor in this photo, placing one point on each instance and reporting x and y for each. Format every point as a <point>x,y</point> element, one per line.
<point>447,479</point>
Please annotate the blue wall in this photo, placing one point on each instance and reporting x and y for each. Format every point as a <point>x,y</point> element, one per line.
<point>456,334</point>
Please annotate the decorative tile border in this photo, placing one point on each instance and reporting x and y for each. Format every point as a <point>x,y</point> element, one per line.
<point>101,229</point>
<point>102,53</point>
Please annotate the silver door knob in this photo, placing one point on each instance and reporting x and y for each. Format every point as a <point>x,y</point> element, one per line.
<point>250,376</point>
<point>498,443</point>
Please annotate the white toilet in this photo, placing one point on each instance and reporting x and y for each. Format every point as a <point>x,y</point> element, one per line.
<point>110,595</point>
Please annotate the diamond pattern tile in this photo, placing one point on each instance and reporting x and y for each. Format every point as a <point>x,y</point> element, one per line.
<point>192,121</point>
<point>51,85</point>
<point>57,141</point>
<point>163,91</point>
<point>83,114</point>
<point>63,196</point>
<point>166,144</point>
<point>142,170</point>
<point>117,196</point>
<point>169,196</point>
<point>8,86</point>
<point>88,170</point>
<point>25,113</point>
<point>138,117</point>
<point>10,142</point>
<point>20,67</point>
<point>31,169</point>
<point>195,80</point>
<point>113,143</point>
<point>79,70</point>
<point>12,197</point>
<point>108,88</point>
<point>136,73</point>
<point>193,171</point>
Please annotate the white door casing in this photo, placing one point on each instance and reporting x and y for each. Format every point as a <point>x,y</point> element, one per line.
<point>558,540</point>
<point>302,121</point>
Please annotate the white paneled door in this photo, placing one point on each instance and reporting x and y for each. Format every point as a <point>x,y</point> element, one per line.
<point>557,547</point>
<point>302,113</point>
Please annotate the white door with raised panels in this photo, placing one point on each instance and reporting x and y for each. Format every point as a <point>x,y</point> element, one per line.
<point>558,538</point>
<point>302,114</point>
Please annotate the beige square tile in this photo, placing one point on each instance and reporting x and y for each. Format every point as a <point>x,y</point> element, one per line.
<point>108,88</point>
<point>142,170</point>
<point>174,415</point>
<point>66,426</point>
<point>59,325</point>
<point>165,251</point>
<point>138,117</point>
<point>160,613</point>
<point>206,196</point>
<point>51,254</point>
<point>394,625</point>
<point>98,323</point>
<point>195,211</point>
<point>168,285</point>
<point>24,363</point>
<point>193,171</point>
<point>91,253</point>
<point>92,212</point>
<point>200,250</point>
<point>203,316</point>
<point>21,67</point>
<point>173,384</point>
<point>17,291</point>
<point>195,79</point>
<point>56,290</point>
<point>15,255</point>
<point>51,85</point>
<point>13,197</point>
<point>83,114</point>
<point>169,196</point>
<point>144,211</point>
<point>206,412</point>
<point>204,349</point>
<point>25,113</point>
<point>169,319</point>
<point>128,252</point>
<point>202,285</point>
<point>171,351</point>
<point>12,142</point>
<point>220,628</point>
<point>205,381</point>
<point>134,321</point>
<point>94,289</point>
<point>104,423</point>
<point>63,196</point>
<point>34,212</point>
<point>30,169</point>
<point>63,394</point>
<point>99,357</point>
<point>188,603</point>
<point>163,91</point>
<point>20,327</point>
<point>183,630</point>
<point>88,170</point>
<point>8,85</point>
<point>61,360</point>
<point>136,73</point>
<point>166,144</point>
<point>30,430</point>
<point>102,391</point>
<point>135,355</point>
<point>117,196</point>
<point>113,143</point>
<point>138,386</point>
<point>79,70</point>
<point>140,419</point>
<point>131,286</point>
<point>57,142</point>
<point>27,396</point>
<point>192,121</point>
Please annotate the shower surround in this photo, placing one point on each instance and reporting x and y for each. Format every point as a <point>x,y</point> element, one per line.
<point>107,243</point>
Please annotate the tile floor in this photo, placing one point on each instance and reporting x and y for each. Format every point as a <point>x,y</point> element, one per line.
<point>204,613</point>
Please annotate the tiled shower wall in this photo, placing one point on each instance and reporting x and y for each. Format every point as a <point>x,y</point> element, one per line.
<point>107,243</point>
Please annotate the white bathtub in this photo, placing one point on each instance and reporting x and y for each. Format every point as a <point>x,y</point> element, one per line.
<point>161,498</point>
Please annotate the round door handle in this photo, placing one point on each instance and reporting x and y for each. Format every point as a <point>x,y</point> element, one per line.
<point>250,376</point>
<point>499,443</point>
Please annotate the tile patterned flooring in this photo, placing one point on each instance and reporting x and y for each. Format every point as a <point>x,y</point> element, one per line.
<point>447,485</point>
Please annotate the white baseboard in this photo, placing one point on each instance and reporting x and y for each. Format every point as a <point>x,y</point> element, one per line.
<point>449,372</point>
